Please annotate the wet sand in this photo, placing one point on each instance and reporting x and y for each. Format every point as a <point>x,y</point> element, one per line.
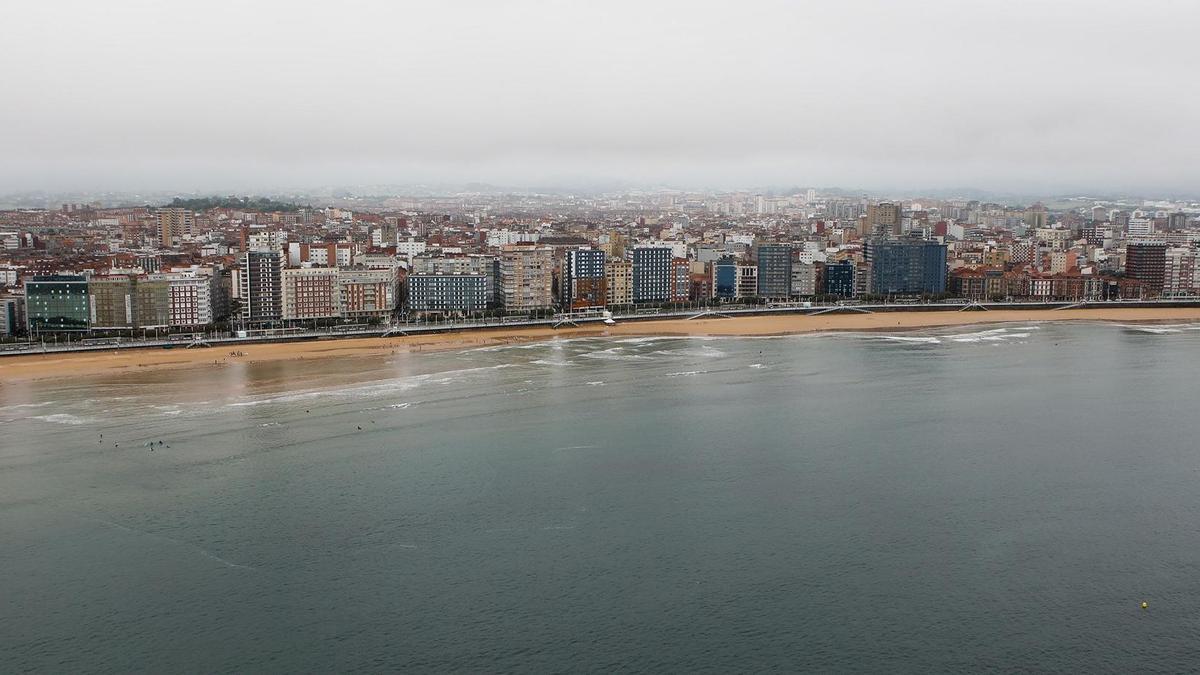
<point>50,366</point>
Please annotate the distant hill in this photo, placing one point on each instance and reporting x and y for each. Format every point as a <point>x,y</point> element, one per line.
<point>232,202</point>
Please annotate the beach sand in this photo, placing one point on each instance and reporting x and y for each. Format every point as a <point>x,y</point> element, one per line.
<point>49,366</point>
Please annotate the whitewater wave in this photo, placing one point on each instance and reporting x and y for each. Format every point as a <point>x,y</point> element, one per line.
<point>993,335</point>
<point>614,354</point>
<point>704,351</point>
<point>1160,328</point>
<point>642,340</point>
<point>22,406</point>
<point>376,388</point>
<point>61,418</point>
<point>907,338</point>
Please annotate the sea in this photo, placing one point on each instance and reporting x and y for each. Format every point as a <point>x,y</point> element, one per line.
<point>997,498</point>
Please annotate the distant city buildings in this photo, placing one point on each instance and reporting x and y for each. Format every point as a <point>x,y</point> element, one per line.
<point>193,266</point>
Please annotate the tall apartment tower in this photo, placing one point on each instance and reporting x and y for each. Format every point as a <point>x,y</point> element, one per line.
<point>1146,262</point>
<point>260,285</point>
<point>173,224</point>
<point>652,274</point>
<point>774,271</point>
<point>583,282</point>
<point>906,266</point>
<point>527,277</point>
<point>618,281</point>
<point>888,214</point>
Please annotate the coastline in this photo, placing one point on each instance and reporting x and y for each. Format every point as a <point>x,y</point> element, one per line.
<point>34,367</point>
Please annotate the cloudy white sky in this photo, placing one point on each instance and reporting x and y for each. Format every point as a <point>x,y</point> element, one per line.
<point>1040,95</point>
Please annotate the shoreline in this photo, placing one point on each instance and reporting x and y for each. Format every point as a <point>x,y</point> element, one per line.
<point>38,367</point>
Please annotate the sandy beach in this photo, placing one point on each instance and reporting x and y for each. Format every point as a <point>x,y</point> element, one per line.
<point>49,366</point>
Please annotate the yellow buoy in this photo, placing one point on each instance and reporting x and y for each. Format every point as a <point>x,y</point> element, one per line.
<point>1145,605</point>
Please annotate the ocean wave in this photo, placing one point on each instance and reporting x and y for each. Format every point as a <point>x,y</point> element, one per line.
<point>548,362</point>
<point>686,373</point>
<point>1154,330</point>
<point>993,335</point>
<point>21,406</point>
<point>703,351</point>
<point>61,418</point>
<point>643,340</point>
<point>376,388</point>
<point>1160,328</point>
<point>614,354</point>
<point>906,338</point>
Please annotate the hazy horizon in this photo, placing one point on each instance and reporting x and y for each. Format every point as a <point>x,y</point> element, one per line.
<point>1019,97</point>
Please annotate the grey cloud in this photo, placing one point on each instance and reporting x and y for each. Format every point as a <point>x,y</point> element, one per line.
<point>1049,94</point>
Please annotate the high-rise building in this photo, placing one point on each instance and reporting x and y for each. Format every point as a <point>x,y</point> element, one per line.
<point>1146,261</point>
<point>804,279</point>
<point>192,300</point>
<point>173,225</point>
<point>887,215</point>
<point>747,281</point>
<point>652,278</point>
<point>487,266</point>
<point>309,293</point>
<point>1036,216</point>
<point>725,277</point>
<point>111,302</point>
<point>1139,227</point>
<point>366,294</point>
<point>261,286</point>
<point>618,282</point>
<point>1179,274</point>
<point>457,294</point>
<point>152,301</point>
<point>10,320</point>
<point>774,271</point>
<point>614,245</point>
<point>906,266</point>
<point>681,280</point>
<point>839,279</point>
<point>57,303</point>
<point>582,282</point>
<point>527,277</point>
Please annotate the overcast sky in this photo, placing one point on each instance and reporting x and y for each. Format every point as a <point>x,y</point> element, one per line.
<point>1033,95</point>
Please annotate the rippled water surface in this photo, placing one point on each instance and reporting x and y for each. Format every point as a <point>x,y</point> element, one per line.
<point>963,499</point>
